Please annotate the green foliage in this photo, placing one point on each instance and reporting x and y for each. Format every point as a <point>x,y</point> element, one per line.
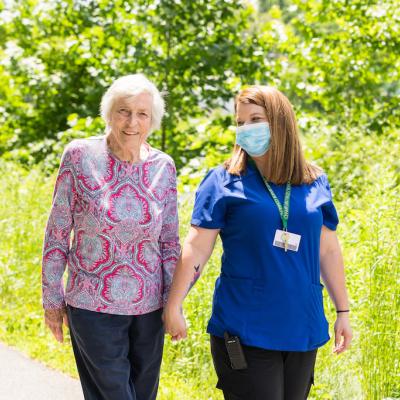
<point>364,175</point>
<point>366,191</point>
<point>196,52</point>
<point>343,61</point>
<point>337,61</point>
<point>25,200</point>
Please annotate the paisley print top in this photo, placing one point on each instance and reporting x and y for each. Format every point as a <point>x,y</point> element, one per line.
<point>124,221</point>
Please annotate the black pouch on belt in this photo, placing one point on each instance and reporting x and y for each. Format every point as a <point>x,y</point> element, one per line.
<point>235,351</point>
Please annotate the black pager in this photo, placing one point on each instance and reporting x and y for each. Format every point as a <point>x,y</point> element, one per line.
<point>235,351</point>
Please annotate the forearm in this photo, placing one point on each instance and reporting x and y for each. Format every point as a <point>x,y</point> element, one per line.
<point>332,273</point>
<point>188,270</point>
<point>170,255</point>
<point>53,266</point>
<point>56,243</point>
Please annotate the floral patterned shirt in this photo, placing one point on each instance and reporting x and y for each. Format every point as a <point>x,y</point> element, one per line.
<point>124,221</point>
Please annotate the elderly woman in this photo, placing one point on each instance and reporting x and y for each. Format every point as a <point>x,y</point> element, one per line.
<point>277,221</point>
<point>118,196</point>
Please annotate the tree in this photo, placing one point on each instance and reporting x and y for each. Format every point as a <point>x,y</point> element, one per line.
<point>343,61</point>
<point>197,52</point>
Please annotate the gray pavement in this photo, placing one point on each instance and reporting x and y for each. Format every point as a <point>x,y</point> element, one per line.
<point>22,378</point>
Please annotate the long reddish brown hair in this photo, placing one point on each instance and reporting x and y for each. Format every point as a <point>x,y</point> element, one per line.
<point>286,160</point>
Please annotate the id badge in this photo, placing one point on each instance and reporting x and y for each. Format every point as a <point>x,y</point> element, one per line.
<point>287,240</point>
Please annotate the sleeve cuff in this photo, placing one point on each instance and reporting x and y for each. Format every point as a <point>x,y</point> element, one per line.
<point>53,305</point>
<point>206,224</point>
<point>330,225</point>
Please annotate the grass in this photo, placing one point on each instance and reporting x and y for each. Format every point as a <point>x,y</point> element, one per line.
<point>369,208</point>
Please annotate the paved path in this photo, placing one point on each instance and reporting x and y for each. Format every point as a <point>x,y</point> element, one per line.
<point>24,379</point>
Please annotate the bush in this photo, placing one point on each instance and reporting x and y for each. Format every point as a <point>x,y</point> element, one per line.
<point>366,190</point>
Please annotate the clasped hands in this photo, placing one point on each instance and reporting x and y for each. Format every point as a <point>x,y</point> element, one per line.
<point>174,322</point>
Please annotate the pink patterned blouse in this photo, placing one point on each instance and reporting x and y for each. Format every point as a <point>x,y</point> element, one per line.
<point>124,220</point>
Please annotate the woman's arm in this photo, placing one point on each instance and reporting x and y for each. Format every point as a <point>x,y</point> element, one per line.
<point>196,251</point>
<point>169,235</point>
<point>56,248</point>
<point>332,273</point>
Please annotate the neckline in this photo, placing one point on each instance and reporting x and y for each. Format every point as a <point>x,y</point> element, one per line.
<point>252,166</point>
<point>123,162</point>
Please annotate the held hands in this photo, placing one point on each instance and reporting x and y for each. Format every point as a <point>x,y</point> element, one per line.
<point>343,333</point>
<point>174,322</point>
<point>54,319</point>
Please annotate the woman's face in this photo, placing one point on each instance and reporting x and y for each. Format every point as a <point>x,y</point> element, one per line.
<point>131,118</point>
<point>250,114</point>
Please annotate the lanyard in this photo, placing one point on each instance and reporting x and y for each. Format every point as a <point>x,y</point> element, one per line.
<point>283,212</point>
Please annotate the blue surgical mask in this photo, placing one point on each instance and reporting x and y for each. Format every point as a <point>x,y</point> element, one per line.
<point>254,139</point>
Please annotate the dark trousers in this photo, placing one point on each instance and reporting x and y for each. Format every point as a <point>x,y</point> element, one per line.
<point>271,375</point>
<point>118,356</point>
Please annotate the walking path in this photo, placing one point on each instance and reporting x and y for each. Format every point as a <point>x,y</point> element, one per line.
<point>24,379</point>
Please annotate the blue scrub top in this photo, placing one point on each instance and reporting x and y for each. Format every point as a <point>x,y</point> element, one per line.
<point>268,297</point>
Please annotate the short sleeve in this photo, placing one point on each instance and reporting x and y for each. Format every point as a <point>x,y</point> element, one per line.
<point>329,213</point>
<point>209,205</point>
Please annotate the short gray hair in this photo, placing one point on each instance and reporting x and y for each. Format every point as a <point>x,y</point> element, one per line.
<point>128,86</point>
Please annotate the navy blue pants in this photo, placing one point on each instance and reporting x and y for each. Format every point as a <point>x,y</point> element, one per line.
<point>271,375</point>
<point>118,356</point>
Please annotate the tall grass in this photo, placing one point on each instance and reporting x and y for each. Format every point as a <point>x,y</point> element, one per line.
<point>370,370</point>
<point>379,258</point>
<point>366,187</point>
<point>187,372</point>
<point>24,204</point>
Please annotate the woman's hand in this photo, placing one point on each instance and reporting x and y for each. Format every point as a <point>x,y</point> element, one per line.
<point>54,319</point>
<point>196,251</point>
<point>343,333</point>
<point>174,322</point>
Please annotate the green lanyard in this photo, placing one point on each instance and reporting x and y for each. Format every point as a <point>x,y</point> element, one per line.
<point>283,212</point>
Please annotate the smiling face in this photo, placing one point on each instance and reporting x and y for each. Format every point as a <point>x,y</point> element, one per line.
<point>249,113</point>
<point>131,118</point>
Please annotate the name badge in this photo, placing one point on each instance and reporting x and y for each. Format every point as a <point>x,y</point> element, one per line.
<point>287,240</point>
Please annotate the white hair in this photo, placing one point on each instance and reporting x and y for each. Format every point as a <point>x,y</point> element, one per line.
<point>129,86</point>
